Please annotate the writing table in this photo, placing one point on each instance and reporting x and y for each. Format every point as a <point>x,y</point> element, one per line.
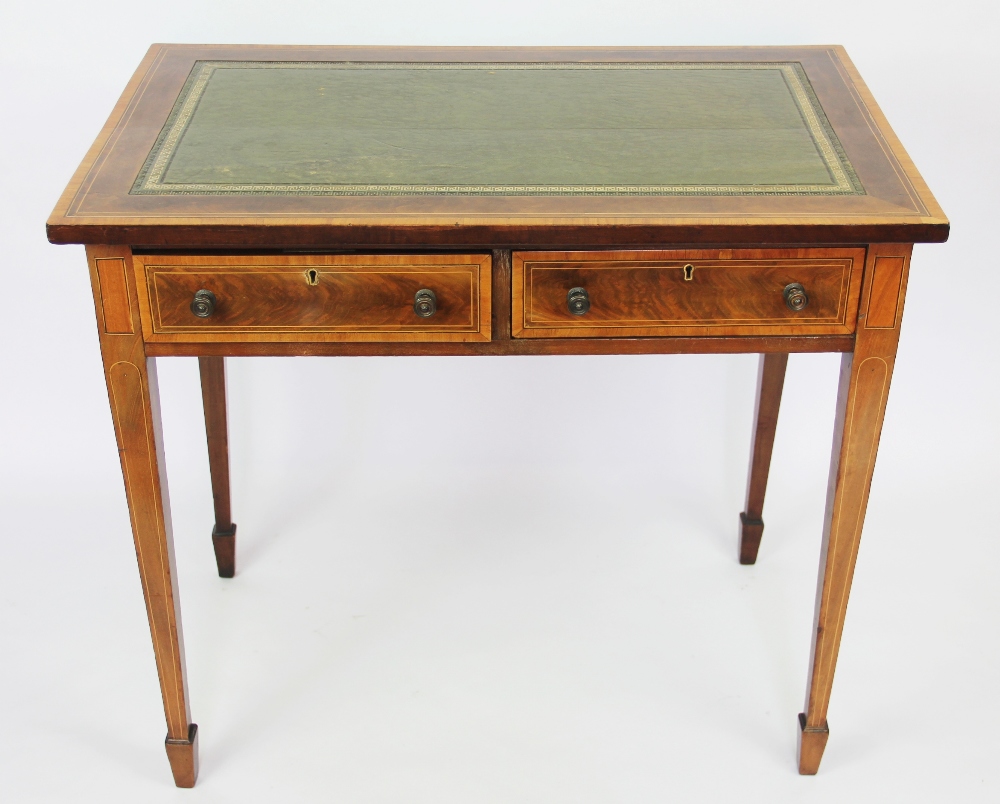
<point>258,200</point>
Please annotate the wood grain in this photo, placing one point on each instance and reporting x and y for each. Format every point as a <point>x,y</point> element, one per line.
<point>864,387</point>
<point>646,293</point>
<point>132,390</point>
<point>770,381</point>
<point>315,297</point>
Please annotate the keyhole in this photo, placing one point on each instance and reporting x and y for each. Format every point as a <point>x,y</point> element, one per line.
<point>688,273</point>
<point>312,276</point>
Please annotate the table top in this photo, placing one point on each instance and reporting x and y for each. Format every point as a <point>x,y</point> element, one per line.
<point>489,147</point>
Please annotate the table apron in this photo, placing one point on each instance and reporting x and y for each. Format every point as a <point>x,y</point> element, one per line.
<point>534,346</point>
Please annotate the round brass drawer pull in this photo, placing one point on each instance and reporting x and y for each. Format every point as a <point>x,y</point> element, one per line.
<point>425,303</point>
<point>795,297</point>
<point>203,303</point>
<point>578,301</point>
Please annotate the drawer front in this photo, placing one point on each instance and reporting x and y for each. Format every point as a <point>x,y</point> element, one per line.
<point>685,293</point>
<point>314,297</point>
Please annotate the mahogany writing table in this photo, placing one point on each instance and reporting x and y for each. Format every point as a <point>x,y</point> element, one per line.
<point>252,200</point>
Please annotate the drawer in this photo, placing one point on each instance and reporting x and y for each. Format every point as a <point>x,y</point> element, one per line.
<point>314,297</point>
<point>685,293</point>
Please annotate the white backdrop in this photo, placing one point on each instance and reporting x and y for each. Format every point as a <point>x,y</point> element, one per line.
<point>547,608</point>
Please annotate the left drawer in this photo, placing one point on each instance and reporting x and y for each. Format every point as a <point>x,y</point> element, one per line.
<point>315,297</point>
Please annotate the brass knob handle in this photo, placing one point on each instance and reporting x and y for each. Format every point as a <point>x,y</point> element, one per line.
<point>795,297</point>
<point>425,303</point>
<point>203,303</point>
<point>578,301</point>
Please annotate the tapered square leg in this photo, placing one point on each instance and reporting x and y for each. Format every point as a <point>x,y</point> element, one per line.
<point>864,389</point>
<point>213,394</point>
<point>183,758</point>
<point>770,381</point>
<point>135,411</point>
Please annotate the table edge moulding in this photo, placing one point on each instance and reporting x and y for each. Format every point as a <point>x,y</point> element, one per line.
<point>506,258</point>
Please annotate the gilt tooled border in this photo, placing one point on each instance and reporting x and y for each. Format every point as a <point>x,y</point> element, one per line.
<point>844,179</point>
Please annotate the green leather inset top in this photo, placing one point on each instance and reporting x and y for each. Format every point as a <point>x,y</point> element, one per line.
<point>321,128</point>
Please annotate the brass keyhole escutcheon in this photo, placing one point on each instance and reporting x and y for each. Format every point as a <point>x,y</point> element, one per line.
<point>312,276</point>
<point>688,272</point>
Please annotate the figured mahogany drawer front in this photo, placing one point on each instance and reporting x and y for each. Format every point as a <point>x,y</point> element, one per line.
<point>315,297</point>
<point>703,292</point>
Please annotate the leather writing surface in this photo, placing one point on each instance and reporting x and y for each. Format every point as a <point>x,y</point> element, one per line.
<point>707,128</point>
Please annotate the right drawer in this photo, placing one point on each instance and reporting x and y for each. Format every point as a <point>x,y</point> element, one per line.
<point>686,292</point>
